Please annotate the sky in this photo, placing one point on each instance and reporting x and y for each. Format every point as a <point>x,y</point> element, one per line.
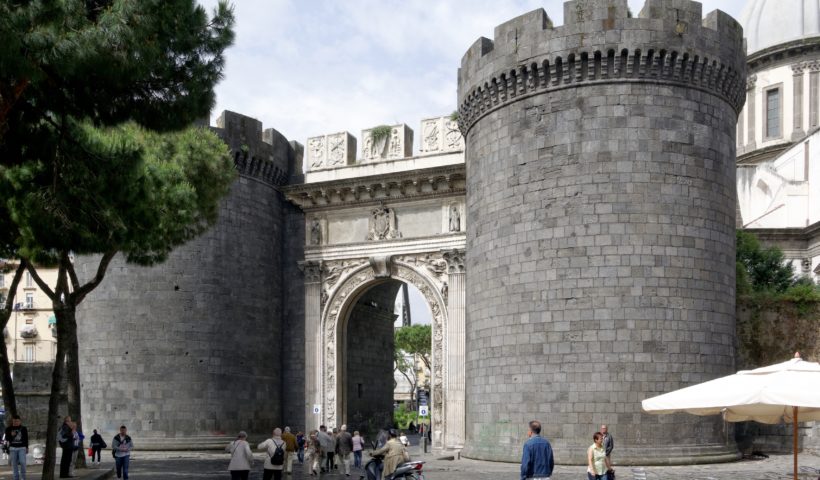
<point>314,67</point>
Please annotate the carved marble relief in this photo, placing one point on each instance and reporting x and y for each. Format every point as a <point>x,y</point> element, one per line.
<point>382,224</point>
<point>337,150</point>
<point>440,135</point>
<point>350,276</point>
<point>316,152</point>
<point>455,218</point>
<point>399,144</point>
<point>316,237</point>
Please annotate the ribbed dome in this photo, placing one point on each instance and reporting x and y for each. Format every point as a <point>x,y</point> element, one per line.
<point>772,22</point>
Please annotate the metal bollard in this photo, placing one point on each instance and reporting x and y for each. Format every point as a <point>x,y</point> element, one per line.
<point>424,444</point>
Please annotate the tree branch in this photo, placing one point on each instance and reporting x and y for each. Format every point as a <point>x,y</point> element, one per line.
<point>81,292</point>
<point>15,282</point>
<point>72,274</point>
<point>39,281</point>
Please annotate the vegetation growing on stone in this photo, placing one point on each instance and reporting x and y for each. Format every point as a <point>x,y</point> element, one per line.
<point>380,133</point>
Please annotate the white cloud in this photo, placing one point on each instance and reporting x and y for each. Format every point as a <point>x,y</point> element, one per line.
<point>321,66</point>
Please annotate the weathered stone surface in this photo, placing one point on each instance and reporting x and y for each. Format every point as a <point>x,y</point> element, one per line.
<point>194,347</point>
<point>600,252</point>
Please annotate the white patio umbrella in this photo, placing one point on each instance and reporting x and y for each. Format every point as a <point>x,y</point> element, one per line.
<point>781,392</point>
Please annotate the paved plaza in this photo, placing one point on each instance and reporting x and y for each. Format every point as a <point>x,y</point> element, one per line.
<point>213,465</point>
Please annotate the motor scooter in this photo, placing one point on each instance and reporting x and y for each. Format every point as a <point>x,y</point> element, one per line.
<point>406,471</point>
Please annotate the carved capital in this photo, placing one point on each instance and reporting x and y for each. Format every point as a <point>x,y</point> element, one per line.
<point>813,66</point>
<point>806,264</point>
<point>455,261</point>
<point>750,82</point>
<point>797,68</point>
<point>312,271</point>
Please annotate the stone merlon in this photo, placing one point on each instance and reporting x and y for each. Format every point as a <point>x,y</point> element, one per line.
<point>600,41</point>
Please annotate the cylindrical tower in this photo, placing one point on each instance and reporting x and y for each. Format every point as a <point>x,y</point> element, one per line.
<point>190,350</point>
<point>601,188</point>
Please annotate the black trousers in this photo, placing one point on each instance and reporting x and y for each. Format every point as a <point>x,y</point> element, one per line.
<point>240,474</point>
<point>330,463</point>
<point>65,460</point>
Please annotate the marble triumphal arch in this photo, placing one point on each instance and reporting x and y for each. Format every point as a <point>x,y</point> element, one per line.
<point>372,223</point>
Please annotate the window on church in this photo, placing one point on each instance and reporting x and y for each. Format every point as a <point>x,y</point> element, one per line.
<point>773,113</point>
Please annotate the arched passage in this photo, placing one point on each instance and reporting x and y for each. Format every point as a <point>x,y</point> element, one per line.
<point>350,301</point>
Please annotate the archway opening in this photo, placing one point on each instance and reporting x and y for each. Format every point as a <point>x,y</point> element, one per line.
<point>367,382</point>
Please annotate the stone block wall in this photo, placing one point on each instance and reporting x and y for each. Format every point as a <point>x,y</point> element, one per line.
<point>600,255</point>
<point>192,349</point>
<point>32,387</point>
<point>293,331</point>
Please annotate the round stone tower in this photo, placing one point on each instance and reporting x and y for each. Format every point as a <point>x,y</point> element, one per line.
<point>601,187</point>
<point>190,350</point>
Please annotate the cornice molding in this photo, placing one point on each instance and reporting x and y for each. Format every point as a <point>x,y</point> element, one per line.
<point>376,189</point>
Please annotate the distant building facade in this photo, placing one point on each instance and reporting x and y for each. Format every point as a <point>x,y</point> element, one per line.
<point>30,336</point>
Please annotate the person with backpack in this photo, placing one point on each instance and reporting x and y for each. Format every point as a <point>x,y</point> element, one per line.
<point>275,449</point>
<point>122,446</point>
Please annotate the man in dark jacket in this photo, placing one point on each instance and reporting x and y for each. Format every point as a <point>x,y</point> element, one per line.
<point>536,462</point>
<point>345,448</point>
<point>65,437</point>
<point>16,440</point>
<point>609,442</point>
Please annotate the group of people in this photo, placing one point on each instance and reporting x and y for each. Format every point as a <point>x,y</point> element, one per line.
<point>70,440</point>
<point>321,450</point>
<point>537,461</point>
<point>15,443</point>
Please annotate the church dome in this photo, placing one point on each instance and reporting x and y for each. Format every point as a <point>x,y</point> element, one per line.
<point>772,22</point>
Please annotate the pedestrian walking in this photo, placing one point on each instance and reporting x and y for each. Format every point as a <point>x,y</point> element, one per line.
<point>97,444</point>
<point>328,447</point>
<point>609,442</point>
<point>336,458</point>
<point>598,464</point>
<point>358,446</point>
<point>300,447</point>
<point>122,446</point>
<point>345,448</point>
<point>394,454</point>
<point>314,453</point>
<point>66,440</point>
<point>76,438</point>
<point>275,449</point>
<point>536,460</point>
<point>16,441</point>
<point>290,451</point>
<point>241,457</point>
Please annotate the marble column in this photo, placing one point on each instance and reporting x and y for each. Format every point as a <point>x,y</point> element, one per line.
<point>455,334</point>
<point>797,117</point>
<point>313,363</point>
<point>751,135</point>
<point>814,98</point>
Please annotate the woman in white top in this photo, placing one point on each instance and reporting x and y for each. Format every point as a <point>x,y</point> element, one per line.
<point>597,461</point>
<point>241,457</point>
<point>358,446</point>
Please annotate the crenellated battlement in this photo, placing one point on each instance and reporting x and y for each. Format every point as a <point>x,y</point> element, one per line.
<point>600,42</point>
<point>263,154</point>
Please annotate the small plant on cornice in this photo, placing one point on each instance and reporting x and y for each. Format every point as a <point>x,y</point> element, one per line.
<point>454,116</point>
<point>244,149</point>
<point>380,133</point>
<point>628,12</point>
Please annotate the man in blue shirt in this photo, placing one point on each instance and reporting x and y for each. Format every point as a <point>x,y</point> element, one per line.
<point>536,462</point>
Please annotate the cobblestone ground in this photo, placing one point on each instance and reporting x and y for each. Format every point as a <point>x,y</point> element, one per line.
<point>179,466</point>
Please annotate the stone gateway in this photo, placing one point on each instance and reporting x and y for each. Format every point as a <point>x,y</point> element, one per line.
<point>571,231</point>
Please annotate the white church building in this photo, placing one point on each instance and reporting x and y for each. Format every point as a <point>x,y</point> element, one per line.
<point>778,131</point>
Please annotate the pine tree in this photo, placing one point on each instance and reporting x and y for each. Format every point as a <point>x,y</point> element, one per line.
<point>97,152</point>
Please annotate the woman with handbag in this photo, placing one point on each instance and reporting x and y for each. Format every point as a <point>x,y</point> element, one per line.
<point>97,444</point>
<point>598,464</point>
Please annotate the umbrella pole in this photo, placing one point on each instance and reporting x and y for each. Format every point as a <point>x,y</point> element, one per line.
<point>794,419</point>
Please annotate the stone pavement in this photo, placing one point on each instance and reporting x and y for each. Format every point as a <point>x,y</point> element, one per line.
<point>33,472</point>
<point>213,465</point>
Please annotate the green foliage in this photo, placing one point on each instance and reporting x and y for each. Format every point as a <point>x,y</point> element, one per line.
<point>402,417</point>
<point>380,133</point>
<point>455,116</point>
<point>415,340</point>
<point>761,268</point>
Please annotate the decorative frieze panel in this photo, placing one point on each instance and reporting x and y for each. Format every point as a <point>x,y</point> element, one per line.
<point>397,144</point>
<point>383,224</point>
<point>331,151</point>
<point>440,135</point>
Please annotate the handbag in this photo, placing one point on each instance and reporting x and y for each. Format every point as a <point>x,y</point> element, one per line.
<point>90,452</point>
<point>610,475</point>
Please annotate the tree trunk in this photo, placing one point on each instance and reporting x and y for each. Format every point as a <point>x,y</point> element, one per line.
<point>57,377</point>
<point>72,364</point>
<point>9,398</point>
